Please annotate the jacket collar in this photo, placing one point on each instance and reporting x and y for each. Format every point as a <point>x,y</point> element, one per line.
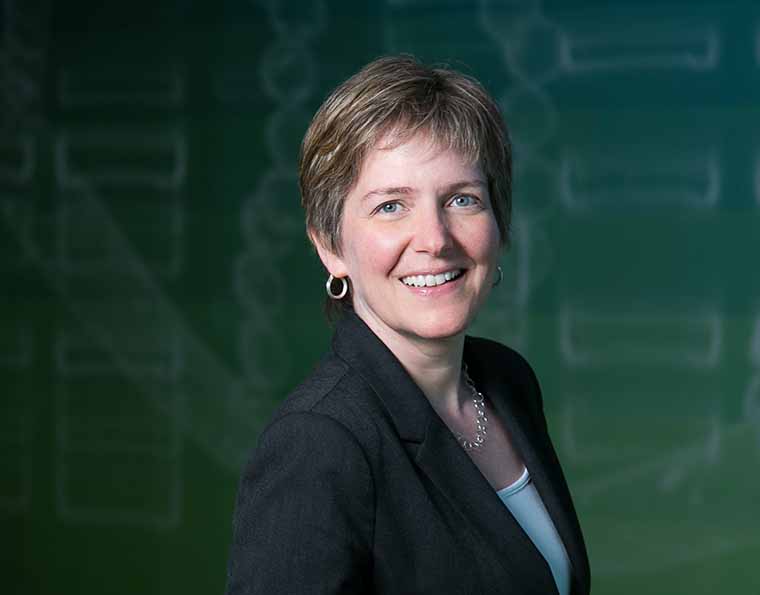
<point>360,348</point>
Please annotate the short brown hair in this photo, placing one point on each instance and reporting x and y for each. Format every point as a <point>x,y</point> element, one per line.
<point>399,95</point>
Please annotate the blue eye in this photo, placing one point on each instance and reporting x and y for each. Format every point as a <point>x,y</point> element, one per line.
<point>389,208</point>
<point>463,200</point>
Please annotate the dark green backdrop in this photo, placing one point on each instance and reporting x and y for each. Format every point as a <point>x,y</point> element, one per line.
<point>159,298</point>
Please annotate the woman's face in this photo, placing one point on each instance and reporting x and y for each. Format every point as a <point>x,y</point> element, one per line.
<point>419,241</point>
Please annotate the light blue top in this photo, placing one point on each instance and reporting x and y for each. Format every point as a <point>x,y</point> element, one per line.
<point>523,501</point>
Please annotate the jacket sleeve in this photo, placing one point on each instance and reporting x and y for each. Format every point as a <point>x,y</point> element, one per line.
<point>304,514</point>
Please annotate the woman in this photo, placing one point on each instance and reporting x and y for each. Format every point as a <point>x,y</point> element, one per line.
<point>414,459</point>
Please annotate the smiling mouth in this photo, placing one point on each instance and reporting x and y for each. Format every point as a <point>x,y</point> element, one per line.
<point>432,280</point>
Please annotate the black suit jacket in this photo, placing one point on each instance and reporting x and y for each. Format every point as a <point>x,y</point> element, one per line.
<point>357,486</point>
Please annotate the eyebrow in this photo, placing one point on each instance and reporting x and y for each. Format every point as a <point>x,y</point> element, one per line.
<point>395,190</point>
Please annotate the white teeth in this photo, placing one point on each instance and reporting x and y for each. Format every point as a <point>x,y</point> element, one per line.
<point>431,280</point>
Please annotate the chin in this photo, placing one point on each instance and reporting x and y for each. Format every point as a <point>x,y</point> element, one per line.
<point>441,327</point>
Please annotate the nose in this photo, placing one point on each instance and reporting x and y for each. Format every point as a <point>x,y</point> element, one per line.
<point>432,233</point>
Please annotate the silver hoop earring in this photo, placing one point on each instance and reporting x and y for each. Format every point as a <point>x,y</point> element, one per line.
<point>343,290</point>
<point>501,276</point>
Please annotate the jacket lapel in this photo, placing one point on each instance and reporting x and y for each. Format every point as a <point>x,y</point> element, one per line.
<point>438,454</point>
<point>450,469</point>
<point>533,445</point>
<point>361,349</point>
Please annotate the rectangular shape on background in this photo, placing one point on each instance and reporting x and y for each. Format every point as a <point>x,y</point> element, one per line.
<point>106,413</point>
<point>641,46</point>
<point>595,179</point>
<point>120,86</point>
<point>119,489</point>
<point>129,335</point>
<point>122,158</point>
<point>118,453</point>
<point>109,232</point>
<point>690,338</point>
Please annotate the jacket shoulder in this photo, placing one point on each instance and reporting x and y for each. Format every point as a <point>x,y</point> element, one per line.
<point>335,391</point>
<point>318,385</point>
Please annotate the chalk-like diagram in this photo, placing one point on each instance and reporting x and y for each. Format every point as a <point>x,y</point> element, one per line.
<point>685,477</point>
<point>115,234</point>
<point>151,87</point>
<point>22,53</point>
<point>682,337</point>
<point>140,175</point>
<point>120,402</point>
<point>104,423</point>
<point>23,44</point>
<point>18,211</point>
<point>269,225</point>
<point>642,343</point>
<point>646,45</point>
<point>603,178</point>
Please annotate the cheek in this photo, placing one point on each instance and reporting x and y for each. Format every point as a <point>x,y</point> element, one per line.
<point>375,253</point>
<point>383,252</point>
<point>484,241</point>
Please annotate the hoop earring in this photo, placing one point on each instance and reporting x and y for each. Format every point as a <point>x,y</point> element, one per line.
<point>501,276</point>
<point>343,290</point>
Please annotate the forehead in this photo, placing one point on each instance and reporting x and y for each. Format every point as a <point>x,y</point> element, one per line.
<point>418,157</point>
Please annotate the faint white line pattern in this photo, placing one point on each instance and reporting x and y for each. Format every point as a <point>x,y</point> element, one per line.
<point>641,46</point>
<point>691,338</point>
<point>593,180</point>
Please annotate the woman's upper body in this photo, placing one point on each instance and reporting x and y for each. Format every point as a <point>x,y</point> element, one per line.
<point>380,473</point>
<point>357,485</point>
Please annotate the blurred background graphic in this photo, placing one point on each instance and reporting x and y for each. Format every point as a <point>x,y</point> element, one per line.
<point>158,297</point>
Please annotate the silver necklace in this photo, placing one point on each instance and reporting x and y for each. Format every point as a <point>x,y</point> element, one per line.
<point>481,421</point>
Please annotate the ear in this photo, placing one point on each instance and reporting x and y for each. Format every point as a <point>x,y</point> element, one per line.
<point>333,263</point>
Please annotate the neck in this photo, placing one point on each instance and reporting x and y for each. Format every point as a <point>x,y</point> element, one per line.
<point>435,365</point>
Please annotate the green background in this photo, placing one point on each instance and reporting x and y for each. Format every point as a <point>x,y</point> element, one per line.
<point>158,297</point>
